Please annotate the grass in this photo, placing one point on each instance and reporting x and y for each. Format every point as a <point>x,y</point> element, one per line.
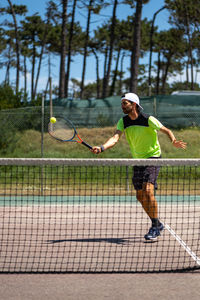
<point>86,181</point>
<point>28,144</point>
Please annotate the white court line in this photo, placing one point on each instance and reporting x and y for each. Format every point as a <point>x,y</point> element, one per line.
<point>183,244</point>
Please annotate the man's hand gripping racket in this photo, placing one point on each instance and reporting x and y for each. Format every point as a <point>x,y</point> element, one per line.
<point>63,130</point>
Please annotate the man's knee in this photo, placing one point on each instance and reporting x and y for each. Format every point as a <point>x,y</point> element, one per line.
<point>146,192</point>
<point>148,189</point>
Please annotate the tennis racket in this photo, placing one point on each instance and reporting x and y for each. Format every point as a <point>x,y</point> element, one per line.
<point>63,130</point>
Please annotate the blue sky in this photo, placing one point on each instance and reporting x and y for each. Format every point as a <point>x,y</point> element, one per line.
<point>38,6</point>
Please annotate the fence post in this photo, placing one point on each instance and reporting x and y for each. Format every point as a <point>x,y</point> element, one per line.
<point>42,128</point>
<point>50,97</point>
<point>42,141</point>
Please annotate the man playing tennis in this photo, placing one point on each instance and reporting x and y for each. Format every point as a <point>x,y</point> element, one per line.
<point>141,133</point>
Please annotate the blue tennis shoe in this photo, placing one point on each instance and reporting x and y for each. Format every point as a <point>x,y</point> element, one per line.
<point>154,232</point>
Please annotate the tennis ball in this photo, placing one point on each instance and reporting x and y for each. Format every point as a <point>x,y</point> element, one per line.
<point>53,120</point>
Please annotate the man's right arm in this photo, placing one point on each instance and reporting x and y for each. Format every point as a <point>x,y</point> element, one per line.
<point>109,143</point>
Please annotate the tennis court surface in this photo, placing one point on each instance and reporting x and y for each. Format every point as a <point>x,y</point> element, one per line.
<point>82,216</point>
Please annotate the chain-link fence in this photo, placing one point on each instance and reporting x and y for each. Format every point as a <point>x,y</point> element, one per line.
<point>173,111</point>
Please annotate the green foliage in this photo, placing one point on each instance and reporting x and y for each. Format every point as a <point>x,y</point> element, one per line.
<point>7,137</point>
<point>18,9</point>
<point>41,37</point>
<point>184,12</point>
<point>178,86</point>
<point>8,99</point>
<point>2,41</point>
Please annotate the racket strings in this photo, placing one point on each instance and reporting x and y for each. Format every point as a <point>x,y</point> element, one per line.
<point>62,130</point>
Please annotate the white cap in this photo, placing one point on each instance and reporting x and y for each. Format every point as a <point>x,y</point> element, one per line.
<point>132,97</point>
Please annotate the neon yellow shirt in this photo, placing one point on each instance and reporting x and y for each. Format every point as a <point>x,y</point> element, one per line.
<point>141,135</point>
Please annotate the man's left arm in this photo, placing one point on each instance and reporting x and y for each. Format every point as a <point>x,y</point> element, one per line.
<point>175,143</point>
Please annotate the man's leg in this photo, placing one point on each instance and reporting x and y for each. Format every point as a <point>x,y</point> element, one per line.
<point>147,198</point>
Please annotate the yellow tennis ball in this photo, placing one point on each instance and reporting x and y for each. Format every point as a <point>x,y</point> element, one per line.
<point>53,120</point>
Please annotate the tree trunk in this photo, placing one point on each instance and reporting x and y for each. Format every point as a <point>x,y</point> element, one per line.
<point>104,72</point>
<point>121,73</point>
<point>187,72</point>
<point>7,76</point>
<point>69,49</point>
<point>190,49</point>
<point>97,73</point>
<point>158,76</point>
<point>17,46</point>
<point>112,39</point>
<point>25,76</point>
<point>38,72</point>
<point>41,55</point>
<point>165,76</point>
<point>63,50</point>
<point>33,71</point>
<point>85,48</point>
<point>151,45</point>
<point>112,89</point>
<point>136,48</point>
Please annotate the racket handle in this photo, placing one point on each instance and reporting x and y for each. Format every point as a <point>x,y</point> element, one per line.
<point>87,145</point>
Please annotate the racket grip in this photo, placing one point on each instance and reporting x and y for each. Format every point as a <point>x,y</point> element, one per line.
<point>87,145</point>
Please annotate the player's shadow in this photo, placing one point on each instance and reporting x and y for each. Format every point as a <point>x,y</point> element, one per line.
<point>118,241</point>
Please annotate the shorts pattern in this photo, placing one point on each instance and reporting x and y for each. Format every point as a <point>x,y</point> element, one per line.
<point>144,174</point>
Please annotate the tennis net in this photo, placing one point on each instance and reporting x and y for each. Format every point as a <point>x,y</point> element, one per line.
<point>81,215</point>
